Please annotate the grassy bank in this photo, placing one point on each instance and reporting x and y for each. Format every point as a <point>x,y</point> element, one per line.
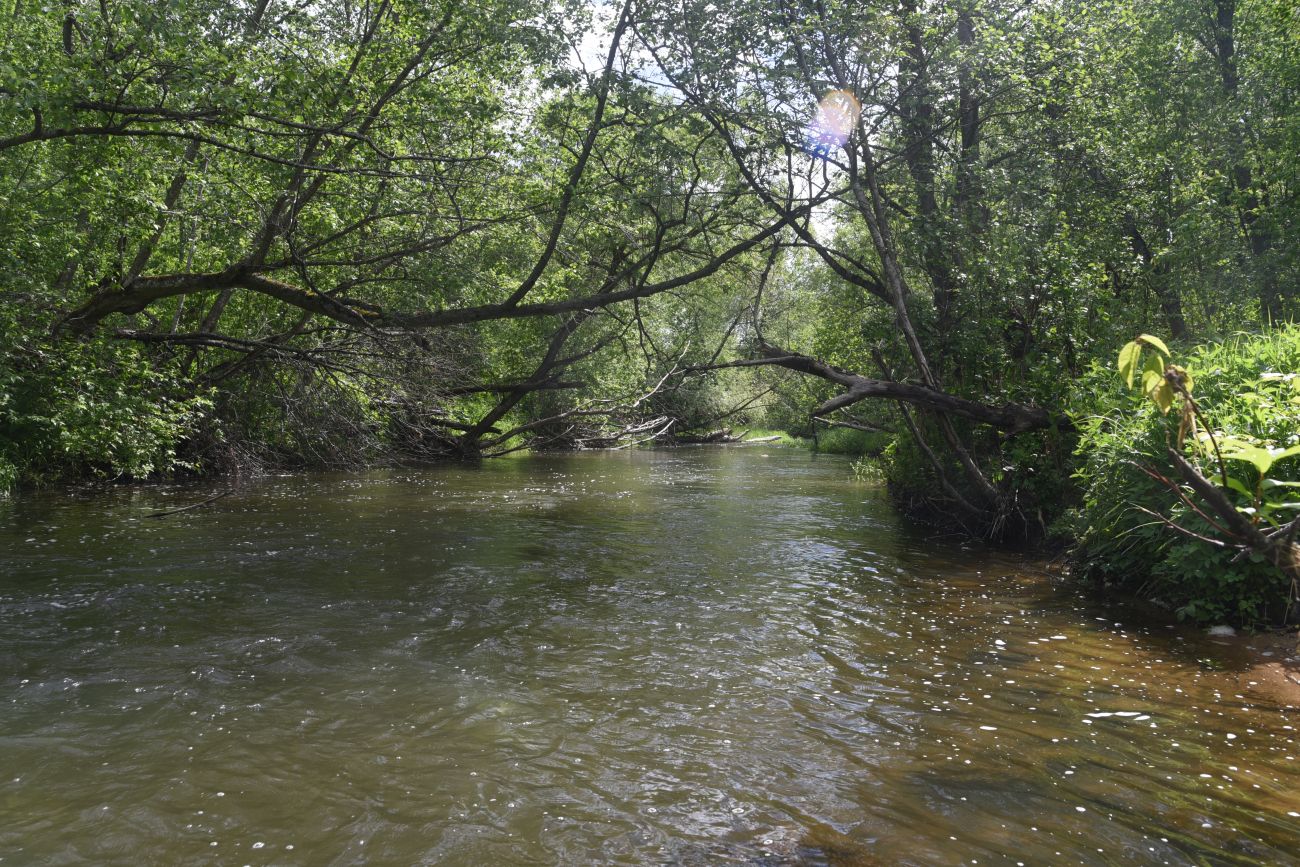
<point>849,441</point>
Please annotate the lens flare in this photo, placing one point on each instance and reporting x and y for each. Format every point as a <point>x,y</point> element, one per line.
<point>837,115</point>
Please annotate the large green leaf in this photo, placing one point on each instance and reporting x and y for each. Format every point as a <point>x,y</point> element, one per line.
<point>1260,459</point>
<point>1154,342</point>
<point>1279,454</point>
<point>1128,361</point>
<point>1163,396</point>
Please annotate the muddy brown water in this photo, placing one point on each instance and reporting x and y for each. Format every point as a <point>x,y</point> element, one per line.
<point>729,655</point>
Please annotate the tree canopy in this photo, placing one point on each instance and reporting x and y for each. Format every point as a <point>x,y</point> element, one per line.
<point>274,231</point>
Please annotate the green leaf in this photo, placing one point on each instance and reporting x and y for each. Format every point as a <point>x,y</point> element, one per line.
<point>1164,397</point>
<point>1261,459</point>
<point>1285,453</point>
<point>1153,367</point>
<point>1128,361</point>
<point>1237,485</point>
<point>1153,342</point>
<point>1154,384</point>
<point>1151,380</point>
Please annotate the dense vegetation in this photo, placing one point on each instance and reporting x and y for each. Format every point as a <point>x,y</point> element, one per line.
<point>269,233</point>
<point>1248,396</point>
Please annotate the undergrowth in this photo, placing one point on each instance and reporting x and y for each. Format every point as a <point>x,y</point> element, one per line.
<point>1248,390</point>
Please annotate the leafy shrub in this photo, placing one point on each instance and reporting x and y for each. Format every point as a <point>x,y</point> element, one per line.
<point>1249,393</point>
<point>1031,472</point>
<point>868,469</point>
<point>96,408</point>
<point>284,417</point>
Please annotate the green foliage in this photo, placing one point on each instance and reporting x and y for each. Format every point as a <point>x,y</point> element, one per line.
<point>94,408</point>
<point>296,418</point>
<point>1053,177</point>
<point>850,441</point>
<point>1161,382</point>
<point>868,469</point>
<point>1246,389</point>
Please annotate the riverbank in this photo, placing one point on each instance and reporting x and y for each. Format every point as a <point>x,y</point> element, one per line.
<point>1104,492</point>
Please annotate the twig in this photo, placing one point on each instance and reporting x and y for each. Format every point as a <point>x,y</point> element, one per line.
<point>1177,489</point>
<point>1218,543</point>
<point>211,499</point>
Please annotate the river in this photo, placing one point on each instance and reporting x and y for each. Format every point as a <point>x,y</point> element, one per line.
<point>700,656</point>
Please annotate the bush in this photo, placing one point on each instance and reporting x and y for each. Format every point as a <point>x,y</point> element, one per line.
<point>1248,390</point>
<point>94,408</point>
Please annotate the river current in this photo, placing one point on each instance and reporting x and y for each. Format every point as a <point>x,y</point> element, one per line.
<point>700,656</point>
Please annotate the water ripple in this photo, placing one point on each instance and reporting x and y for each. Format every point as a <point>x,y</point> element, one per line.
<point>694,657</point>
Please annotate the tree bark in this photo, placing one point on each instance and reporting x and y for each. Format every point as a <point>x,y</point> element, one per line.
<point>1171,302</point>
<point>1009,417</point>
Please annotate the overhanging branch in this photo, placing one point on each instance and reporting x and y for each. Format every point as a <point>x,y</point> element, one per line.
<point>1010,417</point>
<point>143,291</point>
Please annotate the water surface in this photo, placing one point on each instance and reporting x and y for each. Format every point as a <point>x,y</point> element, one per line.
<point>692,657</point>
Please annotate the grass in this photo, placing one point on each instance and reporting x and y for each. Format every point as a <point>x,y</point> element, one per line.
<point>849,441</point>
<point>785,438</point>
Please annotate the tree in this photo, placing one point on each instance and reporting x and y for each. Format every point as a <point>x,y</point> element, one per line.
<point>358,178</point>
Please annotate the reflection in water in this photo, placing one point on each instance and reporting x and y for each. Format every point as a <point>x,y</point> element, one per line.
<point>693,657</point>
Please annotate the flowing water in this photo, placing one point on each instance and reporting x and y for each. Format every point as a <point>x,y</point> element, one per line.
<point>691,657</point>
